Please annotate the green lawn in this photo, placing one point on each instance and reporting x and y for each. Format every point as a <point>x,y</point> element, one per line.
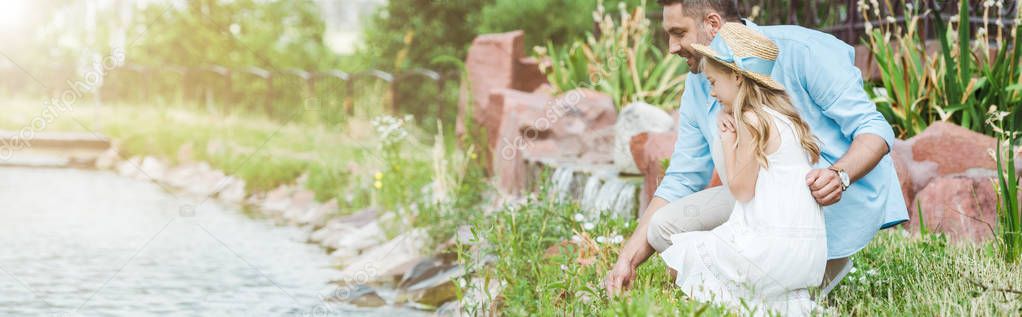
<point>898,274</point>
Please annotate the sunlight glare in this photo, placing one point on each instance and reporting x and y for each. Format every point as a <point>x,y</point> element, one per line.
<point>13,13</point>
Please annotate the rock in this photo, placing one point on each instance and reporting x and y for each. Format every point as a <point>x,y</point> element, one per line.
<point>490,64</point>
<point>387,256</point>
<point>921,173</point>
<point>276,201</point>
<point>180,176</point>
<point>425,269</point>
<point>580,111</point>
<point>953,148</point>
<point>962,206</point>
<point>108,159</point>
<point>636,118</point>
<point>512,125</point>
<point>545,89</point>
<point>649,149</point>
<point>532,125</point>
<point>202,180</point>
<point>393,277</point>
<point>527,75</point>
<point>152,169</point>
<point>450,309</point>
<point>496,61</point>
<point>347,243</point>
<point>901,155</point>
<point>321,234</point>
<point>433,296</point>
<point>430,282</point>
<point>360,218</point>
<point>316,217</point>
<point>599,143</point>
<point>358,295</point>
<point>234,190</point>
<point>302,201</point>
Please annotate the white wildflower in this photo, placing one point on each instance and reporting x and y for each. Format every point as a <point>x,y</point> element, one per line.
<point>852,271</point>
<point>891,19</point>
<point>863,7</point>
<point>564,267</point>
<point>617,239</point>
<point>872,272</point>
<point>576,238</point>
<point>588,226</point>
<point>601,240</point>
<point>390,129</point>
<point>579,217</point>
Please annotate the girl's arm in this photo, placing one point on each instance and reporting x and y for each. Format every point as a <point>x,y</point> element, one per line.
<point>742,167</point>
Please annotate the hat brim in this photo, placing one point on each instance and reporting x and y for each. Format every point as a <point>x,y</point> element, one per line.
<point>767,81</point>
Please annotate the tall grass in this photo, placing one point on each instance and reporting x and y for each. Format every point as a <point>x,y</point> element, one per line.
<point>955,84</point>
<point>622,61</point>
<point>1009,216</point>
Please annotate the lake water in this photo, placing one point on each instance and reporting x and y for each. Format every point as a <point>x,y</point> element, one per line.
<point>93,243</point>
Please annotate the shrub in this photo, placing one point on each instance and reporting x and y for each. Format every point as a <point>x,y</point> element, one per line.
<point>622,62</point>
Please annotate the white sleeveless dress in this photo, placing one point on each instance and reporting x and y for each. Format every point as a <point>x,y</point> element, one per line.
<point>771,249</point>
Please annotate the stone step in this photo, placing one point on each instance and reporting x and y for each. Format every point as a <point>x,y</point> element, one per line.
<point>80,140</point>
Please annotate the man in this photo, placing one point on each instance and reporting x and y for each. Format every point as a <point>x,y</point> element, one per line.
<point>855,179</point>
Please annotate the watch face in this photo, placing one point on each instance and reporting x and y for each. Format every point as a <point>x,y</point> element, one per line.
<point>844,178</point>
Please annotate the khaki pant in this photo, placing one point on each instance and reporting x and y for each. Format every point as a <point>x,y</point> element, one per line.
<point>703,211</point>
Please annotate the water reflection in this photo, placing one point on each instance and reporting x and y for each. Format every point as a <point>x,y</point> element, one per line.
<point>95,243</point>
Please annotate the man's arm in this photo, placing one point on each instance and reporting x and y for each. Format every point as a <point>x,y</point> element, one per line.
<point>836,86</point>
<point>689,171</point>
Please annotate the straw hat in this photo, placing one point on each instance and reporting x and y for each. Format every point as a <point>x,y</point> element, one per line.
<point>745,51</point>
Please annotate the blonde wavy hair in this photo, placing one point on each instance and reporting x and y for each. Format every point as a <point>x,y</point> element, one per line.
<point>751,98</point>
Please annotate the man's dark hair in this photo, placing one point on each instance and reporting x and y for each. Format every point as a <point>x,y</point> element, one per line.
<point>697,9</point>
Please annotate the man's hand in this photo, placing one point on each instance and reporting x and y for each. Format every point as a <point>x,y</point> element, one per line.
<point>825,186</point>
<point>619,278</point>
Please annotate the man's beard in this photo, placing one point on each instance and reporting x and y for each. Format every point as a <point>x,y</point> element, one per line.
<point>701,38</point>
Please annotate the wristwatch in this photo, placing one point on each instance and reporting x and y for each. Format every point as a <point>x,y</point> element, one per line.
<point>845,180</point>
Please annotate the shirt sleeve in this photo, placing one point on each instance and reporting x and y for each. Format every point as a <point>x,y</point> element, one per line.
<point>835,84</point>
<point>691,165</point>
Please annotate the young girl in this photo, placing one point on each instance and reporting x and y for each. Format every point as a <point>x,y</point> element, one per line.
<point>773,247</point>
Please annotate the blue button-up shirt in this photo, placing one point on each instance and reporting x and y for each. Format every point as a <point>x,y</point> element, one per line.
<point>819,73</point>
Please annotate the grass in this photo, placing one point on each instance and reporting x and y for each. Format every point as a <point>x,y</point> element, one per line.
<point>567,279</point>
<point>898,274</point>
<point>340,159</point>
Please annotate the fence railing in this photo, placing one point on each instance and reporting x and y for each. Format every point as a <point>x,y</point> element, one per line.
<point>261,88</point>
<point>843,19</point>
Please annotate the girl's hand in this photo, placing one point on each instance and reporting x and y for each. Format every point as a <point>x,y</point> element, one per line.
<point>726,124</point>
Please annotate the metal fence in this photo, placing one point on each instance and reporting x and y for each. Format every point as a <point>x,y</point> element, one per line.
<point>270,89</point>
<point>843,19</point>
